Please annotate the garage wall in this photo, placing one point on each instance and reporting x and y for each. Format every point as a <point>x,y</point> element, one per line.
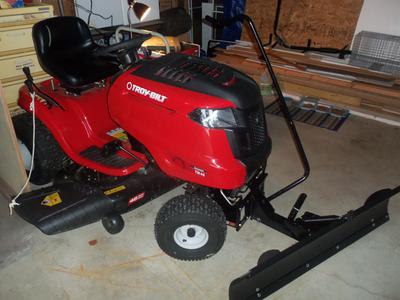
<point>325,23</point>
<point>380,16</point>
<point>116,8</point>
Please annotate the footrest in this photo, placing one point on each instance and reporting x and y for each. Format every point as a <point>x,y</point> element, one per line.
<point>113,160</point>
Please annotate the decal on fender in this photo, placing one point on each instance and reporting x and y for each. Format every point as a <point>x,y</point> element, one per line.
<point>199,171</point>
<point>115,190</point>
<point>51,200</point>
<point>145,92</point>
<point>119,134</point>
<point>136,198</point>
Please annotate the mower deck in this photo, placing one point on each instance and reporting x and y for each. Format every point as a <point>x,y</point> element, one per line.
<point>70,204</point>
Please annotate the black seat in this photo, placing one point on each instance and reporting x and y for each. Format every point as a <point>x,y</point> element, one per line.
<point>65,50</point>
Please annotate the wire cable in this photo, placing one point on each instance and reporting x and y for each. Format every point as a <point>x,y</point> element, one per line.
<point>90,12</point>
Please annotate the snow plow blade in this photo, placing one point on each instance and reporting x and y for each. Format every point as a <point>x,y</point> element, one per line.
<point>275,269</point>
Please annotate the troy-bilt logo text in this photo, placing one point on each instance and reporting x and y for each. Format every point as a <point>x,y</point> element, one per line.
<point>145,92</point>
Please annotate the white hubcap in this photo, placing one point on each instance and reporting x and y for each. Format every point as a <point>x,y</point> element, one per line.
<point>25,155</point>
<point>191,236</point>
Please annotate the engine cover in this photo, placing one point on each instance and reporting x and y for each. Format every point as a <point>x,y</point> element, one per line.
<point>154,101</point>
<point>204,76</point>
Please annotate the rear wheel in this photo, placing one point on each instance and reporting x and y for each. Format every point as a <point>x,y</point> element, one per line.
<point>49,158</point>
<point>190,227</point>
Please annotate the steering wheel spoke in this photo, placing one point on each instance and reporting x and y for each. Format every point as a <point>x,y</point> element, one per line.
<point>112,50</point>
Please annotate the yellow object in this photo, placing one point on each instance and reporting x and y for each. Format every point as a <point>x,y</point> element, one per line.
<point>4,4</point>
<point>114,190</point>
<point>156,43</point>
<point>51,200</point>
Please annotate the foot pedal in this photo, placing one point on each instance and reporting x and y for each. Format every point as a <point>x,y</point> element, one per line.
<point>296,207</point>
<point>111,160</point>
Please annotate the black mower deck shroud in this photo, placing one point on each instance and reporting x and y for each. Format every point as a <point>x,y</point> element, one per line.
<point>94,202</point>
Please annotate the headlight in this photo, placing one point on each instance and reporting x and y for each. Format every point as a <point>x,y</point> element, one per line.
<point>214,118</point>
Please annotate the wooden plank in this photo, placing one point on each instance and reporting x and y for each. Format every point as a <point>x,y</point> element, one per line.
<point>273,56</point>
<point>237,63</point>
<point>12,171</point>
<point>391,92</point>
<point>283,70</point>
<point>314,81</point>
<point>384,100</point>
<point>304,60</point>
<point>302,90</point>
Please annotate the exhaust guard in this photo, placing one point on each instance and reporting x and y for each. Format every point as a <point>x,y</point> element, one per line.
<point>325,237</point>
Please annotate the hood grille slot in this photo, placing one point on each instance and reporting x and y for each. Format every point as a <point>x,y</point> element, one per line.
<point>185,72</point>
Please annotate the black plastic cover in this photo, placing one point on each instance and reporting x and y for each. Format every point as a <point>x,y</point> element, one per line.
<point>203,76</point>
<point>76,204</point>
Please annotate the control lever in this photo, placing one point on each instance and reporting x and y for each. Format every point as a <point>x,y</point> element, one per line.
<point>29,80</point>
<point>32,86</point>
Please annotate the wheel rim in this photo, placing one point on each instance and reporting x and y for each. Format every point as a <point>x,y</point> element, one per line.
<point>191,236</point>
<point>25,155</point>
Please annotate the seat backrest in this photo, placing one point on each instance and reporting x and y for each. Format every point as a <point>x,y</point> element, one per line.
<point>66,50</point>
<point>61,36</point>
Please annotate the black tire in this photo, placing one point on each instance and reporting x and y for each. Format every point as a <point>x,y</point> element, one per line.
<point>113,223</point>
<point>196,210</point>
<point>49,158</point>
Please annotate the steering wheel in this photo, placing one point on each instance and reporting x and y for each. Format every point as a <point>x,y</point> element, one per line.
<point>133,43</point>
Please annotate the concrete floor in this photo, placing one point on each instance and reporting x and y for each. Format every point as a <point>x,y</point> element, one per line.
<point>347,166</point>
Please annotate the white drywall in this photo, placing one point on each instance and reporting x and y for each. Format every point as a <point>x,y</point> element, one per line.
<point>116,8</point>
<point>380,16</point>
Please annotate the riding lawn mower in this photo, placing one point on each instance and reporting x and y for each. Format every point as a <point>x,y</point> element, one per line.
<point>113,130</point>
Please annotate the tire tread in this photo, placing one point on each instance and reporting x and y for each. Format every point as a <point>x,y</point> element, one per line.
<point>193,204</point>
<point>49,157</point>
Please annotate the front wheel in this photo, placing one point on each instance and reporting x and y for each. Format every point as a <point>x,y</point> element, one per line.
<point>190,227</point>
